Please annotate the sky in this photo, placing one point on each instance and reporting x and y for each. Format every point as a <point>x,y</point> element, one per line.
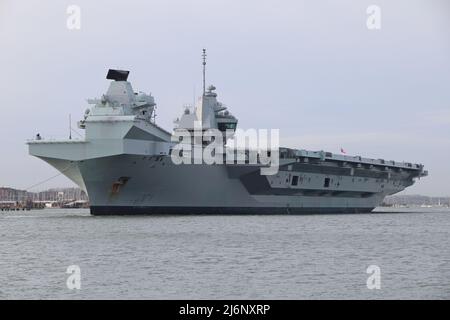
<point>312,69</point>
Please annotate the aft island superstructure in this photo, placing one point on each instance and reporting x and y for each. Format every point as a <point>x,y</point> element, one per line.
<point>125,164</point>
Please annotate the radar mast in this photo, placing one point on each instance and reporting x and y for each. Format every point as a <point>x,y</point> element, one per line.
<point>204,69</point>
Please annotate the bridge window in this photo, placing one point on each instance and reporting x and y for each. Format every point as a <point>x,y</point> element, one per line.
<point>326,183</point>
<point>294,180</point>
<point>227,126</point>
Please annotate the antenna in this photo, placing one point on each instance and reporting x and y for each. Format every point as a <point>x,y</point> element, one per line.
<point>204,69</point>
<point>70,126</point>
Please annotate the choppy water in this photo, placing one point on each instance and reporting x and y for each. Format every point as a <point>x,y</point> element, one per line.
<point>227,257</point>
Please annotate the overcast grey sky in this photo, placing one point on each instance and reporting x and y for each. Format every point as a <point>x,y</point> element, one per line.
<point>310,68</point>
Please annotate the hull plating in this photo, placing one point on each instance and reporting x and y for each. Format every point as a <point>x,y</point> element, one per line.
<point>154,185</point>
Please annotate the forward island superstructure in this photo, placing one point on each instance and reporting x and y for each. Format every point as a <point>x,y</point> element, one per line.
<point>125,165</point>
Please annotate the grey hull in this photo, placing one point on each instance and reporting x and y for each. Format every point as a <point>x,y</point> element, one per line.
<point>155,185</point>
<point>137,185</point>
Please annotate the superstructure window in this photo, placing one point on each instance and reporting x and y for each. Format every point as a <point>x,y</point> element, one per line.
<point>326,183</point>
<point>294,180</point>
<point>227,126</point>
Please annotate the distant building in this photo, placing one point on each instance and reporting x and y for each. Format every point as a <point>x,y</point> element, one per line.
<point>54,194</point>
<point>416,200</point>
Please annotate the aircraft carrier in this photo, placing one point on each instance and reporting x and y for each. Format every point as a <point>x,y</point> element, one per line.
<point>125,164</point>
